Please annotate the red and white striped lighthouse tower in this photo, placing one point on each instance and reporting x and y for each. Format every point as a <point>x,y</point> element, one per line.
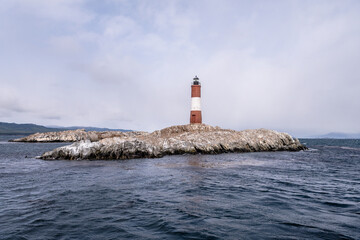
<point>195,114</point>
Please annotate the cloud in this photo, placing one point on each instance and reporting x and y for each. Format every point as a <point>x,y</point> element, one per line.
<point>51,117</point>
<point>291,66</point>
<point>69,11</point>
<point>9,103</point>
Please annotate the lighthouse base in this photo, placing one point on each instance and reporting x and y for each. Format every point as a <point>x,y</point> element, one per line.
<point>195,117</point>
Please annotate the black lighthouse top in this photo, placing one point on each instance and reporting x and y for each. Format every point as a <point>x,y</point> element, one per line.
<point>196,81</point>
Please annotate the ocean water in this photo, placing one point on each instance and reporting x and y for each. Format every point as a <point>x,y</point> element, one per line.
<point>312,194</point>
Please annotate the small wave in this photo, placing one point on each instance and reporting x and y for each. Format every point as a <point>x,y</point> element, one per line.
<point>212,164</point>
<point>350,148</point>
<point>297,225</point>
<point>312,150</point>
<point>330,234</point>
<point>335,204</point>
<point>289,184</point>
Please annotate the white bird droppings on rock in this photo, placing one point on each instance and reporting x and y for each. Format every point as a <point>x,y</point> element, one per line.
<point>191,138</point>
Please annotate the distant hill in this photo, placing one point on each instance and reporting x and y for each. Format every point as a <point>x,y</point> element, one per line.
<point>22,129</point>
<point>340,135</point>
<point>336,135</point>
<point>29,128</point>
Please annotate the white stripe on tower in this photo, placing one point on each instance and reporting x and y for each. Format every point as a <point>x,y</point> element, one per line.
<point>195,104</point>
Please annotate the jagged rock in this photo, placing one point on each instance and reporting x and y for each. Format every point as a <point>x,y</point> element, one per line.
<point>192,139</point>
<point>73,136</point>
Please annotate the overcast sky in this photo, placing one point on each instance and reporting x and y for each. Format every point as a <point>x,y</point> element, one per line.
<point>286,65</point>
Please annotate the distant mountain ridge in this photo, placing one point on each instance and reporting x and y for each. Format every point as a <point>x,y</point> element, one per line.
<point>30,128</point>
<point>340,135</point>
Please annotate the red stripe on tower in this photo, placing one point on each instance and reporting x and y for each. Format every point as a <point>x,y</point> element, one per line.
<point>195,114</point>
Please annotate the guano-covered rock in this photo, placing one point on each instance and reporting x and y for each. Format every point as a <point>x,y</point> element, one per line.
<point>73,136</point>
<point>182,139</point>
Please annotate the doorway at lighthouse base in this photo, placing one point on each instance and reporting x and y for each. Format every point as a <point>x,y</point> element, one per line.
<point>195,117</point>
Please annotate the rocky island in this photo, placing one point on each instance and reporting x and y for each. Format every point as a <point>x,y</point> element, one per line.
<point>73,136</point>
<point>182,139</point>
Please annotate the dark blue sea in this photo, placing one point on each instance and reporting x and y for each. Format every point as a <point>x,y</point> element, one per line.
<point>312,194</point>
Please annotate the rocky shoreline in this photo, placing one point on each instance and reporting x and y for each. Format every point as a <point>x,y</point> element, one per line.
<point>175,140</point>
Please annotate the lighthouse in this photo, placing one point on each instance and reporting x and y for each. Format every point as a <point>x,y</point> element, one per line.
<point>195,114</point>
